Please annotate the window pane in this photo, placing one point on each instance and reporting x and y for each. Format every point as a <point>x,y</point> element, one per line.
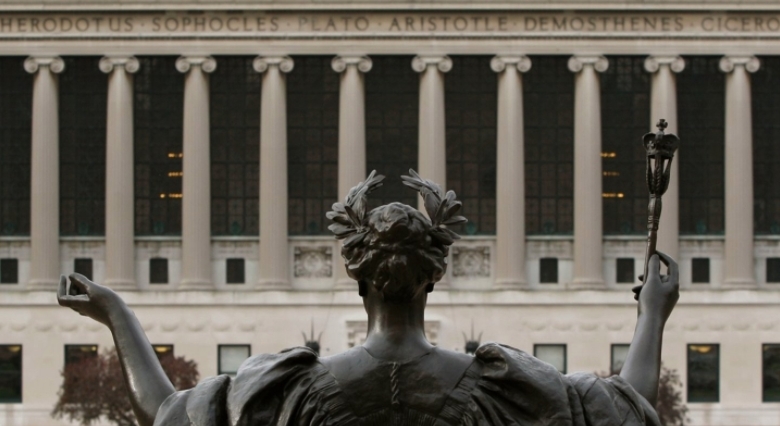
<point>554,355</point>
<point>771,373</point>
<point>700,270</point>
<point>700,97</point>
<point>312,144</point>
<point>163,352</point>
<point>9,271</point>
<point>618,358</point>
<point>773,270</point>
<point>625,270</point>
<point>392,96</point>
<point>625,111</point>
<point>766,152</point>
<point>548,108</point>
<point>548,270</point>
<point>703,373</point>
<point>158,108</point>
<point>10,373</point>
<point>78,353</point>
<point>471,103</point>
<point>235,271</point>
<point>231,357</point>
<point>158,271</point>
<point>235,146</point>
<point>83,267</point>
<point>15,141</point>
<point>83,103</point>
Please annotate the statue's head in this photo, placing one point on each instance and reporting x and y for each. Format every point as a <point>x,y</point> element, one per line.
<point>395,248</point>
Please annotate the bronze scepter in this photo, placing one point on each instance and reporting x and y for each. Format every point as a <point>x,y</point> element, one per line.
<point>660,149</point>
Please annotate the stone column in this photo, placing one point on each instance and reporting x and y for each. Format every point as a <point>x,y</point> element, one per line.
<point>45,168</point>
<point>196,176</point>
<point>274,256</point>
<point>120,198</point>
<point>663,104</point>
<point>432,154</point>
<point>510,172</point>
<point>588,208</point>
<point>738,154</point>
<point>352,134</point>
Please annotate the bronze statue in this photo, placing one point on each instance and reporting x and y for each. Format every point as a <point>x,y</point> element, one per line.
<point>396,254</point>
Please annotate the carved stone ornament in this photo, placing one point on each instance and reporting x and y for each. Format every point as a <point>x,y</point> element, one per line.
<point>363,63</point>
<point>675,63</point>
<point>599,63</point>
<point>107,64</point>
<point>356,332</point>
<point>261,63</point>
<point>313,262</point>
<point>471,262</point>
<point>443,63</point>
<point>521,62</point>
<point>206,63</point>
<point>728,63</point>
<point>54,63</point>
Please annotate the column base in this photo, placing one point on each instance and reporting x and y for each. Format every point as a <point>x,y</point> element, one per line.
<point>273,285</point>
<point>738,283</point>
<point>587,284</point>
<point>196,285</point>
<point>43,284</point>
<point>502,284</point>
<point>121,284</point>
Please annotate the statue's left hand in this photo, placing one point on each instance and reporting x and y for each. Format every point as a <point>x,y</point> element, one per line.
<point>88,298</point>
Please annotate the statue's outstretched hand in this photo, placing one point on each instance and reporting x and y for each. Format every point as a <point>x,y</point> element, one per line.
<point>88,298</point>
<point>659,294</point>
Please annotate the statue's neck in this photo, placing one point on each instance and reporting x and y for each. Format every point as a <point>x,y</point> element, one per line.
<point>396,331</point>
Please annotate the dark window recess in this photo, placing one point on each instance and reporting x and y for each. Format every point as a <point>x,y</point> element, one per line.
<point>625,102</point>
<point>770,372</point>
<point>773,270</point>
<point>392,103</point>
<point>548,270</point>
<point>625,270</point>
<point>10,373</point>
<point>158,108</point>
<point>235,271</point>
<point>700,94</point>
<point>471,92</point>
<point>765,85</point>
<point>15,126</point>
<point>83,267</point>
<point>312,144</point>
<point>700,270</point>
<point>704,373</point>
<point>83,92</point>
<point>77,353</point>
<point>158,271</point>
<point>548,99</point>
<point>9,271</point>
<point>235,146</point>
<point>163,352</point>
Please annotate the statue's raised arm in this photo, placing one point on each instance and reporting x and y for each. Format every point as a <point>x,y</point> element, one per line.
<point>147,384</point>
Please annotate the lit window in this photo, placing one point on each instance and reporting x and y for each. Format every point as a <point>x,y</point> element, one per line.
<point>163,351</point>
<point>618,358</point>
<point>231,357</point>
<point>158,271</point>
<point>10,373</point>
<point>625,270</point>
<point>700,270</point>
<point>77,353</point>
<point>83,267</point>
<point>554,355</point>
<point>548,270</point>
<point>9,271</point>
<point>235,271</point>
<point>704,373</point>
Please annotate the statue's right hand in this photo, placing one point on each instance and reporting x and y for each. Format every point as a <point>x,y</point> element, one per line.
<point>87,298</point>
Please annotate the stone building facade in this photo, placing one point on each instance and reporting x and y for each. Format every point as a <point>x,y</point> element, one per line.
<point>184,153</point>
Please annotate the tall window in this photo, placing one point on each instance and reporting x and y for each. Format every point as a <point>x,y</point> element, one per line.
<point>15,125</point>
<point>700,94</point>
<point>619,353</point>
<point>770,372</point>
<point>235,144</point>
<point>625,117</point>
<point>83,102</point>
<point>159,112</point>
<point>392,110</point>
<point>10,373</point>
<point>470,114</point>
<point>230,357</point>
<point>703,373</point>
<point>554,355</point>
<point>548,107</point>
<point>766,152</point>
<point>312,144</point>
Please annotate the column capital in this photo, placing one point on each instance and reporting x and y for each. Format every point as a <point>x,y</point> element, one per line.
<point>261,63</point>
<point>108,64</point>
<point>33,63</point>
<point>653,63</point>
<point>729,62</point>
<point>577,62</point>
<point>340,63</point>
<point>206,63</point>
<point>500,62</point>
<point>442,62</point>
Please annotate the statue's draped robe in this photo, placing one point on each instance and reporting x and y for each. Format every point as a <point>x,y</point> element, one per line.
<point>499,386</point>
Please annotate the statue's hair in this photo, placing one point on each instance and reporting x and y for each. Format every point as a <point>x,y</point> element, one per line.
<point>395,247</point>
